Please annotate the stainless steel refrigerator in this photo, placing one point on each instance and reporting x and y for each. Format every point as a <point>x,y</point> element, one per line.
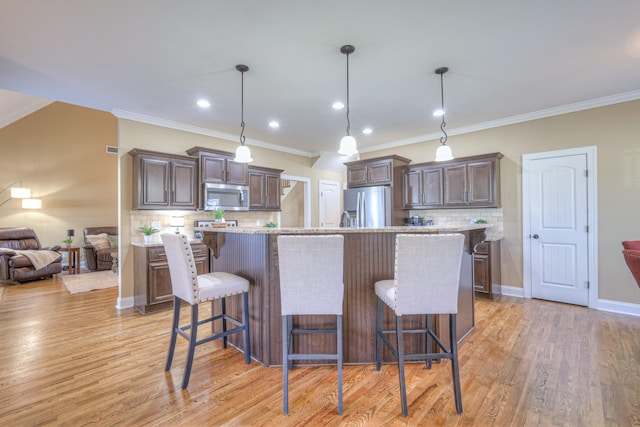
<point>368,206</point>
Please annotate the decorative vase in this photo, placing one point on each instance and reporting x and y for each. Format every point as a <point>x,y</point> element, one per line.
<point>147,239</point>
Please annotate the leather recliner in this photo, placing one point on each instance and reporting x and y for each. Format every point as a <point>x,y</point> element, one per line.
<point>18,268</point>
<point>98,258</point>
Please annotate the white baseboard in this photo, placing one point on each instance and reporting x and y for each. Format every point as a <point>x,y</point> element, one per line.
<point>604,305</point>
<point>124,303</point>
<point>618,307</point>
<point>512,291</point>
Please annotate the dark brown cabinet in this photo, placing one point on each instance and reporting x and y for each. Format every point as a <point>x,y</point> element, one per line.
<point>473,183</point>
<point>163,181</point>
<point>379,171</point>
<point>423,188</point>
<point>152,280</point>
<point>218,167</point>
<point>469,182</point>
<point>486,269</point>
<point>264,188</point>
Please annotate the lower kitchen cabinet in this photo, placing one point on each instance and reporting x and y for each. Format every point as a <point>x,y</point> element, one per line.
<point>486,269</point>
<point>151,277</point>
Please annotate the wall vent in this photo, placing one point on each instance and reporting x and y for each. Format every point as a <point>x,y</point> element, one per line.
<point>112,150</point>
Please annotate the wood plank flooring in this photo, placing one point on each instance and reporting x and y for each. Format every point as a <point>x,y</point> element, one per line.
<point>75,360</point>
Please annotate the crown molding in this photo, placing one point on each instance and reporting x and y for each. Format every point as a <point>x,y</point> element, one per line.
<point>541,114</point>
<point>128,115</point>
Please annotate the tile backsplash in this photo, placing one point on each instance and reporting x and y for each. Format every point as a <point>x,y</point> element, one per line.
<point>493,216</point>
<point>143,217</point>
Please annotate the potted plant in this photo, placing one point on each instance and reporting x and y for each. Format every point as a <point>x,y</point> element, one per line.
<point>68,240</point>
<point>147,230</point>
<point>218,215</point>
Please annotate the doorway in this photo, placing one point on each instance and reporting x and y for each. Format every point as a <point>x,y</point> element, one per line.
<point>296,207</point>
<point>559,226</point>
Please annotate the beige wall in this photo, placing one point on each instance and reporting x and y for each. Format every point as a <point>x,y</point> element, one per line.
<point>615,131</point>
<point>59,152</point>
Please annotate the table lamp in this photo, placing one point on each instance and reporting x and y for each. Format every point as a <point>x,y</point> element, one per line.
<point>177,221</point>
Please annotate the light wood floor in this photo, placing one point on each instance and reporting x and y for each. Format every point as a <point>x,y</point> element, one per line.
<point>75,360</point>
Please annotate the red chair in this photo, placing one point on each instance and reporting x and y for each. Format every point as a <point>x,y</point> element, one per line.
<point>631,254</point>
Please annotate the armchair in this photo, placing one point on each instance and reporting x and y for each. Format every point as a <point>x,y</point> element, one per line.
<point>99,243</point>
<point>17,267</point>
<point>631,253</point>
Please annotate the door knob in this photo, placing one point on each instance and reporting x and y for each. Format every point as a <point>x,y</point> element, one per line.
<point>535,236</point>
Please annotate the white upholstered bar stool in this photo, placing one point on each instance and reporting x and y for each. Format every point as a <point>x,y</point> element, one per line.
<point>193,289</point>
<point>311,283</point>
<point>426,280</point>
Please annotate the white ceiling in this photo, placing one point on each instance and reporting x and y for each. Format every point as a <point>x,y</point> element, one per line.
<point>152,59</point>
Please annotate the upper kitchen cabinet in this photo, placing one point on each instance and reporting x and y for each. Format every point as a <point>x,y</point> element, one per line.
<point>218,167</point>
<point>163,181</point>
<point>468,182</point>
<point>423,188</point>
<point>264,189</point>
<point>378,171</point>
<point>472,181</point>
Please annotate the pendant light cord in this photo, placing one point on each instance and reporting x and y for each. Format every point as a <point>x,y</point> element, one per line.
<point>348,121</point>
<point>242,137</point>
<point>443,139</point>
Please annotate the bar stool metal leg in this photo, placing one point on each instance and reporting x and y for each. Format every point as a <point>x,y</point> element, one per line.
<point>193,337</point>
<point>174,332</point>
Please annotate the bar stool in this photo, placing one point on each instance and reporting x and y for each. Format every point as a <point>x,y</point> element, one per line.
<point>426,279</point>
<point>311,283</point>
<point>188,286</point>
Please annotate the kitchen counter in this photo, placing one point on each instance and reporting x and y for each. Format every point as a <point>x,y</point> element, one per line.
<point>449,228</point>
<point>369,256</point>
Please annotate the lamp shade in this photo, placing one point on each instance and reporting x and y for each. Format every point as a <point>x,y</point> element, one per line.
<point>176,221</point>
<point>20,193</point>
<point>348,146</point>
<point>243,154</point>
<point>443,153</point>
<point>31,204</point>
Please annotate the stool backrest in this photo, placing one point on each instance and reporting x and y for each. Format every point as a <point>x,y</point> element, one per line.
<point>311,280</point>
<point>427,273</point>
<point>182,267</point>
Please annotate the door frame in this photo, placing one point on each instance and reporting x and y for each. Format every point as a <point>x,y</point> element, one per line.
<point>307,197</point>
<point>592,217</point>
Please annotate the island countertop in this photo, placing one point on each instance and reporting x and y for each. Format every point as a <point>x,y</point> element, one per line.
<point>447,228</point>
<point>369,256</point>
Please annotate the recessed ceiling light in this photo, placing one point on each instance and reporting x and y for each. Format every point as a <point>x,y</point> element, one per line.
<point>337,105</point>
<point>438,113</point>
<point>274,124</point>
<point>367,131</point>
<point>203,103</point>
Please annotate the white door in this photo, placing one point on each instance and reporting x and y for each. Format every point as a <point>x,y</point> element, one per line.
<point>329,203</point>
<point>558,233</point>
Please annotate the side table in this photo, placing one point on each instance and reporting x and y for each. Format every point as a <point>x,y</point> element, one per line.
<point>74,258</point>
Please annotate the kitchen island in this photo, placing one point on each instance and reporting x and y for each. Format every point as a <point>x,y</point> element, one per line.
<point>368,257</point>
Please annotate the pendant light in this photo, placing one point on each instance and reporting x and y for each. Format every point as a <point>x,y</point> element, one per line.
<point>443,152</point>
<point>243,153</point>
<point>348,143</point>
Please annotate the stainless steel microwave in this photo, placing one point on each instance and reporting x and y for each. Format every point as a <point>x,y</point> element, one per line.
<point>226,197</point>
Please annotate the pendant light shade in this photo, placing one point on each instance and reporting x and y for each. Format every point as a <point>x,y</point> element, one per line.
<point>348,143</point>
<point>243,153</point>
<point>348,146</point>
<point>443,153</point>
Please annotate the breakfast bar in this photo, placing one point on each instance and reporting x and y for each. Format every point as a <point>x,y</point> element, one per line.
<point>368,257</point>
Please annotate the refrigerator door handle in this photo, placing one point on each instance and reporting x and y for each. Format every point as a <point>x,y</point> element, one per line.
<point>364,210</point>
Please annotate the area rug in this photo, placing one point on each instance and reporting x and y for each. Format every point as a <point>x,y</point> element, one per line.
<point>85,282</point>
